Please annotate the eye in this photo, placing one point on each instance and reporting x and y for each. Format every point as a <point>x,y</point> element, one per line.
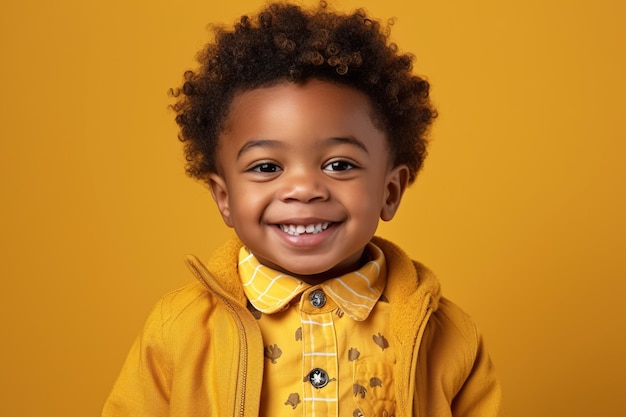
<point>339,165</point>
<point>266,168</point>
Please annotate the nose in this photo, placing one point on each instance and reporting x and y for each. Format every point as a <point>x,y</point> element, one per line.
<point>303,186</point>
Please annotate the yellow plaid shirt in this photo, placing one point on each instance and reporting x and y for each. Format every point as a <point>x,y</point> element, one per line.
<point>325,346</point>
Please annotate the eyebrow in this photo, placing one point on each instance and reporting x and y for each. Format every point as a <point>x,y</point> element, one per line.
<point>347,141</point>
<point>269,143</point>
<point>258,143</point>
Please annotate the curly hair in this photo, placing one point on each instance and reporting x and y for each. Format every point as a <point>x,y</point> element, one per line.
<point>286,43</point>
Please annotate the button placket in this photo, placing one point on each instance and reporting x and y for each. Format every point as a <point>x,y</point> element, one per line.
<point>320,367</point>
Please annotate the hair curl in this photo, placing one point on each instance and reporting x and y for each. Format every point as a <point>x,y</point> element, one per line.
<point>286,43</point>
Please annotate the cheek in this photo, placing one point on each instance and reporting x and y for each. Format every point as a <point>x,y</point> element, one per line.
<point>249,203</point>
<point>364,201</point>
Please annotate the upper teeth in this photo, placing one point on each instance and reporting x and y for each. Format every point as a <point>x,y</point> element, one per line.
<point>296,230</point>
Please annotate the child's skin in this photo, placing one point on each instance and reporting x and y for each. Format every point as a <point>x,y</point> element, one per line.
<point>305,154</point>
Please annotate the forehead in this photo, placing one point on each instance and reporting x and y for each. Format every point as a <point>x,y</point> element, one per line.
<point>314,105</point>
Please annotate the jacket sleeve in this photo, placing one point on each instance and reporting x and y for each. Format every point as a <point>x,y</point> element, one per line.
<point>455,377</point>
<point>142,387</point>
<point>480,394</point>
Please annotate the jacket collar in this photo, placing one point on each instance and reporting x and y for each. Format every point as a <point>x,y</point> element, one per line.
<point>408,282</point>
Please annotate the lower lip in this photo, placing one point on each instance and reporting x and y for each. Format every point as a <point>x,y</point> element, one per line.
<point>307,240</point>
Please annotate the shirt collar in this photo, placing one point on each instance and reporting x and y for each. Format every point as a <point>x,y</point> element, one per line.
<point>356,292</point>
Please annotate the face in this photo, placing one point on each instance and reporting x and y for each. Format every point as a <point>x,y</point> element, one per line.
<point>304,175</point>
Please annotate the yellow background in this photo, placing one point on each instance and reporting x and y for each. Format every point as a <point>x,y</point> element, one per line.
<point>520,208</point>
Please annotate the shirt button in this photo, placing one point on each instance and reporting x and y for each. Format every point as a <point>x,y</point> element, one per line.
<point>318,378</point>
<point>317,298</point>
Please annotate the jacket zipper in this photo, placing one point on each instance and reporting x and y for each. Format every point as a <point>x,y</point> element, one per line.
<point>415,353</point>
<point>243,356</point>
<point>243,341</point>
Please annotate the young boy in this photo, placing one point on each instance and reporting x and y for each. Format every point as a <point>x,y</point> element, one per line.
<point>307,126</point>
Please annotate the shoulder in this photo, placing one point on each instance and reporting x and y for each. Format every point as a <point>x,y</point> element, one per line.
<point>216,279</point>
<point>184,307</point>
<point>453,330</point>
<point>450,318</point>
<point>451,344</point>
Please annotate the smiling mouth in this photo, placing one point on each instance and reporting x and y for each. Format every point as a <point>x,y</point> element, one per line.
<point>300,229</point>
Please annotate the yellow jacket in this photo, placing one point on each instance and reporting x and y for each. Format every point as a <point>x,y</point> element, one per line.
<point>201,352</point>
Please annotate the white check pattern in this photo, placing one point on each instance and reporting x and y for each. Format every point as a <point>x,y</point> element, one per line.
<point>356,293</point>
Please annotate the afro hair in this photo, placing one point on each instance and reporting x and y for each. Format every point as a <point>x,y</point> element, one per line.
<point>285,43</point>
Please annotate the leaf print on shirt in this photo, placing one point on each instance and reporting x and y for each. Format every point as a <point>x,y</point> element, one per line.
<point>255,313</point>
<point>358,389</point>
<point>376,382</point>
<point>293,400</point>
<point>381,341</point>
<point>299,334</point>
<point>353,354</point>
<point>272,352</point>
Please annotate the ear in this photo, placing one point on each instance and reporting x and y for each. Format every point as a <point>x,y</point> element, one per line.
<point>219,191</point>
<point>397,183</point>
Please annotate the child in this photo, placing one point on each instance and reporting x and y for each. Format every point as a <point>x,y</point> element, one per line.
<point>307,126</point>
